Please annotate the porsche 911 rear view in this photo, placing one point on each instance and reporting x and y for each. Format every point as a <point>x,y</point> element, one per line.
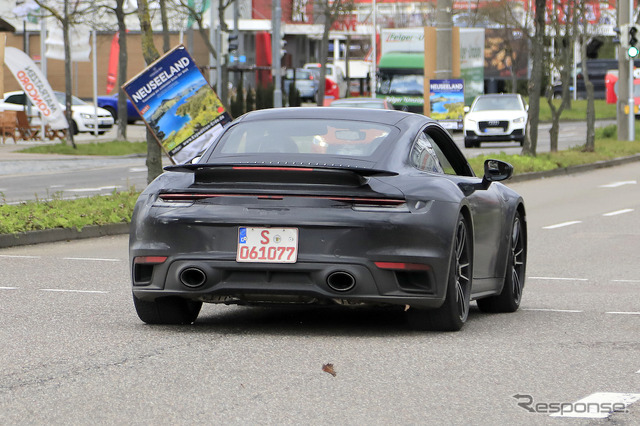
<point>327,206</point>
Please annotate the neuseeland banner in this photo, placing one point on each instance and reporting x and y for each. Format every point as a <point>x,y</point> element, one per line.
<point>178,105</point>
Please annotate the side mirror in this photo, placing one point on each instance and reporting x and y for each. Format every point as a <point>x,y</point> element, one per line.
<point>496,171</point>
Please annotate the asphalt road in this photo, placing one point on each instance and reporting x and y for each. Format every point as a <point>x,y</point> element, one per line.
<point>74,352</point>
<point>22,178</point>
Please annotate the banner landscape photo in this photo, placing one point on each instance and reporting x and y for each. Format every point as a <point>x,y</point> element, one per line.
<point>178,105</point>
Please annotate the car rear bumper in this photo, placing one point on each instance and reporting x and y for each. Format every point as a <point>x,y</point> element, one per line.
<point>381,258</point>
<point>228,282</point>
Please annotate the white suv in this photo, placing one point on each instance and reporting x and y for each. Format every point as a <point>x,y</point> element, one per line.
<point>82,113</point>
<point>495,118</point>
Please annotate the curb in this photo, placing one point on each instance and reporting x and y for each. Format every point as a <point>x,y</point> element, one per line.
<point>575,169</point>
<point>62,234</point>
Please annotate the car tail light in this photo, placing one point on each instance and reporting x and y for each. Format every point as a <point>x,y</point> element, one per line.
<point>149,260</point>
<point>357,202</point>
<point>402,266</point>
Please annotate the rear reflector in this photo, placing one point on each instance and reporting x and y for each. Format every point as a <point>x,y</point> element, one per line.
<point>149,260</point>
<point>401,266</point>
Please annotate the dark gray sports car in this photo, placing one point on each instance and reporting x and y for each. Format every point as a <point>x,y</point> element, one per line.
<point>330,206</point>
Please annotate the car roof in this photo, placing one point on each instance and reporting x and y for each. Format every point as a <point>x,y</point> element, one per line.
<point>383,116</point>
<point>499,95</point>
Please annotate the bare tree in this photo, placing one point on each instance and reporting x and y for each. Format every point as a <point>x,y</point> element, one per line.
<point>591,110</point>
<point>118,10</point>
<point>563,34</point>
<point>535,82</point>
<point>330,12</point>
<point>67,17</point>
<point>197,16</point>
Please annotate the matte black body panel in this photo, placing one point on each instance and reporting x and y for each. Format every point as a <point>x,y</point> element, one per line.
<point>350,213</point>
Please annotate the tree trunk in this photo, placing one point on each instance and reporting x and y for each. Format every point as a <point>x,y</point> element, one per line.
<point>166,42</point>
<point>589,145</point>
<point>67,73</point>
<point>150,54</point>
<point>535,83</point>
<point>123,118</point>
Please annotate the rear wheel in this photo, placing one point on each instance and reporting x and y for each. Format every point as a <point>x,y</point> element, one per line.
<point>453,313</point>
<point>167,310</point>
<point>468,143</point>
<point>509,299</point>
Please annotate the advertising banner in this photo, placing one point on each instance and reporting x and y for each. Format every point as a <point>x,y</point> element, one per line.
<point>36,86</point>
<point>176,102</point>
<point>447,102</point>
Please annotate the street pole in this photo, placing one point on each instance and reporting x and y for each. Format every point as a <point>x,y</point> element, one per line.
<point>374,59</point>
<point>623,77</point>
<point>276,57</point>
<point>631,122</point>
<point>444,39</point>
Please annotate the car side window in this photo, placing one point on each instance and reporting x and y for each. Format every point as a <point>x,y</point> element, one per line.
<point>449,156</point>
<point>423,156</point>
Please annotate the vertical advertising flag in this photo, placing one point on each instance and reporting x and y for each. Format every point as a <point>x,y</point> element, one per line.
<point>36,86</point>
<point>178,105</point>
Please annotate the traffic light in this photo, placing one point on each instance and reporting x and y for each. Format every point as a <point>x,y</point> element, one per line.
<point>233,43</point>
<point>633,46</point>
<point>283,47</point>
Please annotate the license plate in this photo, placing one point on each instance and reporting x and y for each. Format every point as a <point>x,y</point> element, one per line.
<point>493,130</point>
<point>267,245</point>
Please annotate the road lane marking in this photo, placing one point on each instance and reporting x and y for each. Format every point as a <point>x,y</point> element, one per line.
<point>626,281</point>
<point>598,405</point>
<point>8,288</point>
<point>557,279</point>
<point>623,211</point>
<point>138,169</point>
<point>92,258</point>
<point>100,188</point>
<point>552,310</point>
<point>563,224</point>
<point>57,290</point>
<point>617,184</point>
<point>623,313</point>
<point>15,256</point>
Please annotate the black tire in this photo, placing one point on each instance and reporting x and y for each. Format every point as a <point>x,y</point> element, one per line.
<point>167,310</point>
<point>74,128</point>
<point>113,112</point>
<point>454,312</point>
<point>510,297</point>
<point>468,143</point>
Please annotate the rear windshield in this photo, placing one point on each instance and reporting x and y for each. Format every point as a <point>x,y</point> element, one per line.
<point>300,75</point>
<point>304,136</point>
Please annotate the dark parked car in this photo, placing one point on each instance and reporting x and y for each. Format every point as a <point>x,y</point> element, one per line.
<point>330,206</point>
<point>110,103</point>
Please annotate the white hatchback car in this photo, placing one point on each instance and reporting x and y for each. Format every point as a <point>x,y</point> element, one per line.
<point>82,113</point>
<point>495,118</point>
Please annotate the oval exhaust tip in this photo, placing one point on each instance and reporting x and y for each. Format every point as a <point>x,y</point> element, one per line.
<point>193,277</point>
<point>341,281</point>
